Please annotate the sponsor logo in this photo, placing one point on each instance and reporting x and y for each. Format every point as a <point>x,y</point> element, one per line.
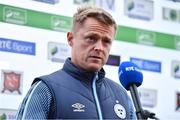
<point>78,107</point>
<point>15,46</point>
<point>58,52</point>
<point>7,114</point>
<point>171,15</point>
<point>148,65</point>
<point>48,1</point>
<point>11,82</point>
<point>119,110</point>
<point>132,68</point>
<point>175,68</point>
<point>113,60</point>
<point>178,101</point>
<point>148,97</point>
<point>59,23</point>
<point>139,9</point>
<point>14,15</point>
<point>145,37</point>
<point>80,2</point>
<point>106,4</point>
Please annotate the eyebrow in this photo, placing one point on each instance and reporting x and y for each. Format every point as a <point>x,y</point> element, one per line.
<point>97,34</point>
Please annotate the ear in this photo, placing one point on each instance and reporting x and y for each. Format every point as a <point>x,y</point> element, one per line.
<point>70,38</point>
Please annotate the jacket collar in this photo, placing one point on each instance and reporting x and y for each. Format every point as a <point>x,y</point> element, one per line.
<point>80,74</point>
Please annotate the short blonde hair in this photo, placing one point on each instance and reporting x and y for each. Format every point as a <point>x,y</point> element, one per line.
<point>97,13</point>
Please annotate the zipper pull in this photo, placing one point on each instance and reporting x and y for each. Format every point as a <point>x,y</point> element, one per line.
<point>96,76</point>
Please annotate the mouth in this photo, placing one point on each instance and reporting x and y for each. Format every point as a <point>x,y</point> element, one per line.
<point>95,57</point>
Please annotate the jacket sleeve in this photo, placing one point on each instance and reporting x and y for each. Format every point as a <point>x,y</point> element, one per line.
<point>36,104</point>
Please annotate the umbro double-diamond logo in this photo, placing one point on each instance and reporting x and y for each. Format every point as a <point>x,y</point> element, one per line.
<point>78,107</point>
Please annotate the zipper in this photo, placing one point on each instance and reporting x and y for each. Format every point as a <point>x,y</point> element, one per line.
<point>96,96</point>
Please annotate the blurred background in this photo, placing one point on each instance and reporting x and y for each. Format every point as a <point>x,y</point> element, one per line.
<point>33,43</point>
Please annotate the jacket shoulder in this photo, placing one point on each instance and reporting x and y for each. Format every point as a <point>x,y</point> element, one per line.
<point>115,84</point>
<point>50,76</point>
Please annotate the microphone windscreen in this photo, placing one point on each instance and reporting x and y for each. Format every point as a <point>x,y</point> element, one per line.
<point>129,74</point>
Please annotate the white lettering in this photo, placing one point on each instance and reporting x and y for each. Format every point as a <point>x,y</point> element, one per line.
<point>21,48</point>
<point>5,44</point>
<point>151,66</point>
<point>130,68</point>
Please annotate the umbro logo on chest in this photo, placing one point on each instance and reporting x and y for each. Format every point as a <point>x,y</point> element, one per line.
<point>78,107</point>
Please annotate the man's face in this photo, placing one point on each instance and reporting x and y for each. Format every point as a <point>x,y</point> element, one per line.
<point>91,43</point>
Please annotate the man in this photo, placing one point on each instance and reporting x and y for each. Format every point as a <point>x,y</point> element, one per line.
<point>80,90</point>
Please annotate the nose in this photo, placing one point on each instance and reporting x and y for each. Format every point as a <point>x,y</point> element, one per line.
<point>98,45</point>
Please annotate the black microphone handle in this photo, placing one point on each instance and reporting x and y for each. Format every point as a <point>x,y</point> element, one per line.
<point>136,101</point>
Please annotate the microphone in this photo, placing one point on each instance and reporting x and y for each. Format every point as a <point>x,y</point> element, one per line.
<point>129,74</point>
<point>131,77</point>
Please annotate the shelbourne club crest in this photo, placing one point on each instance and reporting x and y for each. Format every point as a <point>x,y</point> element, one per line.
<point>12,82</point>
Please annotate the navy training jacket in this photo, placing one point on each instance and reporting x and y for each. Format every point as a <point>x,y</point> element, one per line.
<point>74,96</point>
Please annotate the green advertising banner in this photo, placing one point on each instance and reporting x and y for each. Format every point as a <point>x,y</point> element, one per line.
<point>26,17</point>
<point>145,37</point>
<point>33,18</point>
